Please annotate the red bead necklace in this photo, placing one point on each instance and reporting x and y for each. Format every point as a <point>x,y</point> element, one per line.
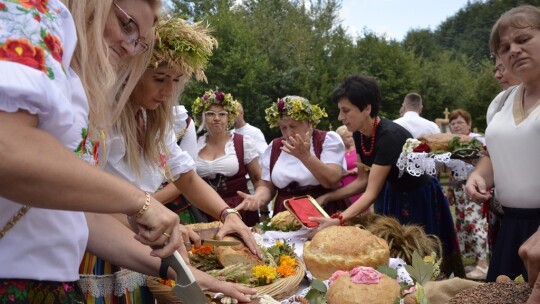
<point>373,134</point>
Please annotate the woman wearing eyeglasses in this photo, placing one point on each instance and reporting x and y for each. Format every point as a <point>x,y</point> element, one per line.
<point>48,78</point>
<point>224,156</point>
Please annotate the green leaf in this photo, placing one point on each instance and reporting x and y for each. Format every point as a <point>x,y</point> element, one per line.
<point>391,272</point>
<point>318,285</point>
<point>420,271</point>
<point>314,296</point>
<point>519,279</point>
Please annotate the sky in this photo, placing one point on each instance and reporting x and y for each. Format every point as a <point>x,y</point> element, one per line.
<point>394,18</point>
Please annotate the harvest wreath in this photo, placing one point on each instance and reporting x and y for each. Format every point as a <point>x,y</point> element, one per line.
<point>278,275</point>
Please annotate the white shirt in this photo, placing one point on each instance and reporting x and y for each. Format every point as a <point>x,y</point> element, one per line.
<point>152,175</point>
<point>417,125</point>
<point>514,151</point>
<point>289,169</point>
<point>44,244</point>
<point>256,136</point>
<point>189,134</point>
<point>228,163</point>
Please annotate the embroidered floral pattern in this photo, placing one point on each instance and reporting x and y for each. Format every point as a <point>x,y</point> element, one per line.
<point>36,43</point>
<point>88,149</point>
<point>28,291</point>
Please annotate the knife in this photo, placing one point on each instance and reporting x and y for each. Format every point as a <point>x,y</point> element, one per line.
<point>186,288</point>
<point>213,242</point>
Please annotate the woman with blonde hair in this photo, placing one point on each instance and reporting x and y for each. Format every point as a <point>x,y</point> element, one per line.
<point>43,191</point>
<point>351,158</point>
<point>142,150</point>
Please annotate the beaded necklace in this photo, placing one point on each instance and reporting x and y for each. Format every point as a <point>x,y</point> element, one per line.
<point>373,134</point>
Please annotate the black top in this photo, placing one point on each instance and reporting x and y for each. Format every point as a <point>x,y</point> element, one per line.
<point>389,141</point>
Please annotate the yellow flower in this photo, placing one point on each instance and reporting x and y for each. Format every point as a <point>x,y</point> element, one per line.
<point>279,243</point>
<point>265,273</point>
<point>286,260</point>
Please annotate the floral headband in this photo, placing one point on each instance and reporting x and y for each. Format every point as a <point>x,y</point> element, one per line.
<point>295,107</point>
<point>183,46</point>
<point>210,97</point>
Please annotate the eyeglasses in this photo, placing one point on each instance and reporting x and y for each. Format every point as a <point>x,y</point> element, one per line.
<point>457,122</point>
<point>130,28</point>
<point>212,114</point>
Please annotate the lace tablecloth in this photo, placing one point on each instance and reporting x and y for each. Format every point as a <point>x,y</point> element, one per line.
<point>418,163</point>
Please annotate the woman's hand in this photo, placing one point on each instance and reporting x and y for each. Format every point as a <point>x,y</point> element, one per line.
<point>158,228</point>
<point>234,224</point>
<point>530,254</point>
<point>298,146</point>
<point>250,202</point>
<point>235,291</point>
<point>353,171</point>
<point>476,188</point>
<point>324,222</point>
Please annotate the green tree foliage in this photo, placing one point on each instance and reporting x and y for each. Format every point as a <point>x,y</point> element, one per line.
<point>272,48</point>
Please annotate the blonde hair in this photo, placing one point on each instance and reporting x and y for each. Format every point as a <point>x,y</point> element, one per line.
<point>342,130</point>
<point>186,49</point>
<point>107,89</point>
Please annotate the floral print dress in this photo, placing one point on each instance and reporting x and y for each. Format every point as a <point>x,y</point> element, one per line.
<point>471,226</point>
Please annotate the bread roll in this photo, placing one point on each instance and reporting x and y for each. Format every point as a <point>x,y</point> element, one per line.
<point>285,221</point>
<point>343,248</point>
<point>344,291</point>
<point>239,254</point>
<point>439,142</point>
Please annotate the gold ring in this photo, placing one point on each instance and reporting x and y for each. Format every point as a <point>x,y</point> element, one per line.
<point>166,234</point>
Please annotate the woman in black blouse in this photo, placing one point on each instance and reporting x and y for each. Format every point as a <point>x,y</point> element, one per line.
<point>379,142</point>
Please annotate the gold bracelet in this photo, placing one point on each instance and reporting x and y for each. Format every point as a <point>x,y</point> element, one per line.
<point>144,207</point>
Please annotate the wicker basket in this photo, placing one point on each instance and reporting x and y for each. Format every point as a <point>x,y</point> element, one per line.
<point>280,290</point>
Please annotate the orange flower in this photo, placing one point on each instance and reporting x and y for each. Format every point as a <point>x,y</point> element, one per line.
<point>171,283</point>
<point>40,5</point>
<point>286,260</point>
<point>55,46</point>
<point>286,270</point>
<point>21,51</point>
<point>203,250</point>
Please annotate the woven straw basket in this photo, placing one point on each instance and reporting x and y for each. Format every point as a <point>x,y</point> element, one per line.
<point>279,290</point>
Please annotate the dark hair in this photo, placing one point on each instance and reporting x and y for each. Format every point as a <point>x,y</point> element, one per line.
<point>519,17</point>
<point>361,91</point>
<point>460,112</point>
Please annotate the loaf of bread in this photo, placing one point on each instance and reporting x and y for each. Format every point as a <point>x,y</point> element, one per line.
<point>201,226</point>
<point>344,291</point>
<point>285,221</point>
<point>439,142</point>
<point>238,254</point>
<point>343,248</point>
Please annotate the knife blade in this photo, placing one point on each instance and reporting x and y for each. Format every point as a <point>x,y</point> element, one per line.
<point>186,288</point>
<point>220,242</point>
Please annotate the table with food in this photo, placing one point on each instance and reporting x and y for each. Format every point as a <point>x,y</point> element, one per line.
<point>371,259</point>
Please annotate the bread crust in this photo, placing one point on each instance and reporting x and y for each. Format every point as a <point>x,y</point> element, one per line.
<point>439,141</point>
<point>238,254</point>
<point>344,291</point>
<point>343,248</point>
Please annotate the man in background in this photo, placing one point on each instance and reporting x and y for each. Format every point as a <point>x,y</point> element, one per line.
<point>411,120</point>
<point>254,133</point>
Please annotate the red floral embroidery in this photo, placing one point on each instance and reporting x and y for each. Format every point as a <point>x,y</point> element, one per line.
<point>40,5</point>
<point>2,7</point>
<point>21,51</point>
<point>37,17</point>
<point>55,46</point>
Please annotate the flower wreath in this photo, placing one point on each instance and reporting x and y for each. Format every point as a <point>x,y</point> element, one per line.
<point>183,46</point>
<point>210,97</point>
<point>295,107</point>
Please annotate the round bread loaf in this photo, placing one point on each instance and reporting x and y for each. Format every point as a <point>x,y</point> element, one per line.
<point>285,221</point>
<point>439,142</point>
<point>343,248</point>
<point>344,291</point>
<point>238,254</point>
